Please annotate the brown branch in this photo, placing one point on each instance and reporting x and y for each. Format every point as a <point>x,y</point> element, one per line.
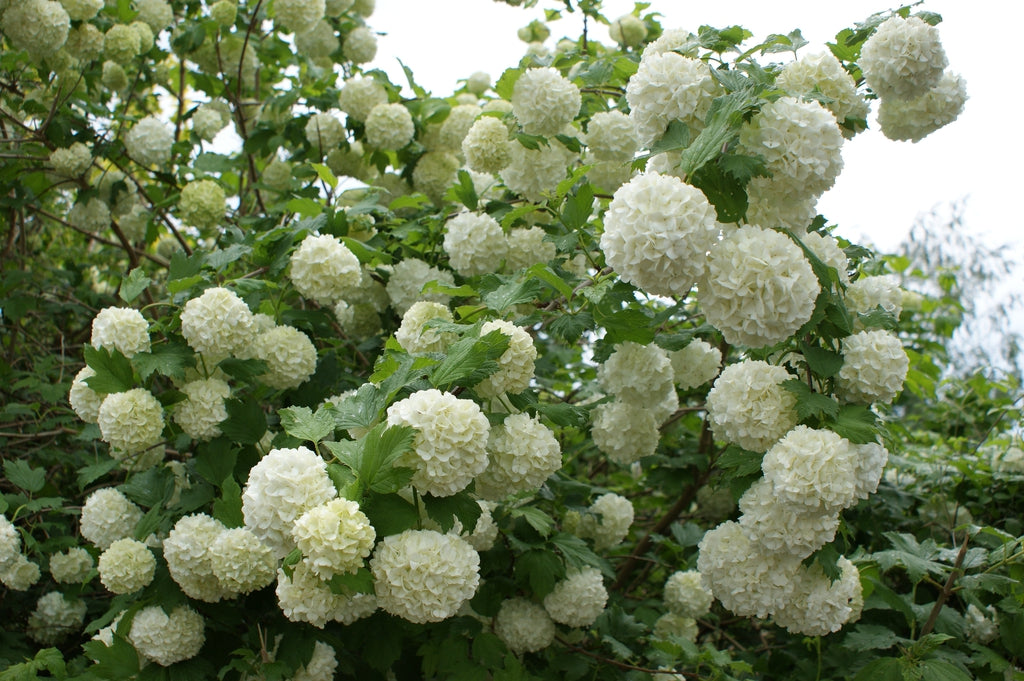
<point>109,242</point>
<point>947,590</point>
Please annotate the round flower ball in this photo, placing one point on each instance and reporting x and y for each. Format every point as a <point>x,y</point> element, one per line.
<point>686,595</point>
<point>132,421</point>
<point>826,247</point>
<point>628,30</point>
<point>522,454</point>
<point>240,562</point>
<point>874,367</point>
<point>92,215</point>
<point>633,372</point>
<point>282,486</point>
<point>71,566</point>
<point>812,467</point>
<point>474,242</point>
<point>611,137</point>
<point>289,354</point>
<point>527,247</point>
<point>38,26</point>
<point>324,132</point>
<point>126,566</point>
<point>914,119</point>
<point>455,128</point>
<point>450,446</point>
<point>820,606</point>
<point>335,538</point>
<point>523,626</point>
<point>515,365</point>
<point>217,324</point>
<point>84,400</point>
<point>783,527</point>
<point>149,142</point>
<point>304,597</point>
<point>389,126</point>
<point>821,72</point>
<point>122,329</point>
<point>360,46</point>
<point>434,173</point>
<point>669,87</point>
<point>486,145</point>
<point>166,639</point>
<point>536,172</point>
<point>202,204</point>
<point>321,666</point>
<point>72,161</point>
<point>624,431</point>
<point>107,516</point>
<point>544,101</point>
<point>408,277</point>
<point>19,574</point>
<point>204,408</point>
<point>413,335</point>
<point>608,521</point>
<point>55,618</point>
<point>322,267</point>
<point>749,407</point>
<point>10,542</point>
<point>869,293</point>
<point>579,599</point>
<point>903,58</point>
<point>657,232</point>
<point>360,95</point>
<point>188,556</point>
<point>424,576</point>
<point>299,16</point>
<point>759,288</point>
<point>695,364</point>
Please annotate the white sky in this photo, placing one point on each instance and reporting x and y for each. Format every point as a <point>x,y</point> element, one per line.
<point>884,184</point>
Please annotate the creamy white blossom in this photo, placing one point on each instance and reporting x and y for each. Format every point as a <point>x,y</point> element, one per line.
<point>299,16</point>
<point>670,625</point>
<point>55,618</point>
<point>38,26</point>
<point>870,461</point>
<point>424,576</point>
<point>611,136</point>
<point>826,247</point>
<point>92,215</point>
<point>282,486</point>
<point>657,232</point>
<point>304,597</point>
<point>523,453</point>
<point>217,324</point>
<point>695,364</point>
<point>389,126</point>
<point>324,132</point>
<point>360,95</point>
<point>524,626</point>
<point>874,367</point>
<point>405,286</point>
<point>779,526</point>
<point>820,606</point>
<point>670,87</point>
<point>413,335</point>
<point>323,267</point>
<point>579,599</point>
<point>633,372</point>
<point>821,72</point>
<point>748,405</point>
<point>607,521</point>
<point>126,566</point>
<point>624,431</point>
<point>166,639</point>
<point>903,58</point>
<point>686,595</point>
<point>132,421</point>
<point>450,447</point>
<point>527,247</point>
<point>289,354</point>
<point>544,101</point>
<point>868,293</point>
<point>335,538</point>
<point>20,573</point>
<point>321,666</point>
<point>240,562</point>
<point>515,365</point>
<point>204,408</point>
<point>435,171</point>
<point>71,161</point>
<point>536,172</point>
<point>759,288</point>
<point>812,467</point>
<point>69,567</point>
<point>189,558</point>
<point>149,142</point>
<point>202,204</point>
<point>474,243</point>
<point>156,13</point>
<point>486,145</point>
<point>360,46</point>
<point>107,516</point>
<point>84,400</point>
<point>10,542</point>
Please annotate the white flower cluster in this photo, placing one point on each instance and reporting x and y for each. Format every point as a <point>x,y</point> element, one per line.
<point>187,553</point>
<point>10,543</point>
<point>813,468</point>
<point>92,215</point>
<point>55,618</point>
<point>657,232</point>
<point>210,118</point>
<point>418,340</point>
<point>524,626</point>
<point>360,95</point>
<point>544,101</point>
<point>19,574</point>
<point>405,286</point>
<point>39,27</point>
<point>322,267</point>
<point>149,142</point>
<point>282,486</point>
<point>318,43</point>
<point>121,328</point>
<point>749,407</point>
<point>579,599</point>
<point>324,132</point>
<point>435,171</point>
<point>217,324</point>
<point>474,243</point>
<point>776,525</point>
<point>536,172</point>
<point>126,566</point>
<point>820,606</point>
<point>696,364</point>
<point>671,625</point>
<point>486,145</point>
<point>334,537</point>
<point>321,666</point>
<point>874,367</point>
<point>131,422</point>
<point>670,87</point>
<point>686,595</point>
<point>527,247</point>
<point>914,119</point>
<point>522,454</point>
<point>821,72</point>
<point>868,293</point>
<point>450,447</point>
<point>623,431</point>
<point>515,365</point>
<point>67,567</point>
<point>84,400</point>
<point>611,137</point>
<point>202,204</point>
<point>306,598</point>
<point>826,248</point>
<point>424,576</point>
<point>903,58</point>
<point>166,639</point>
<point>607,521</point>
<point>203,409</point>
<point>457,125</point>
<point>108,515</point>
<point>635,372</point>
<point>299,16</point>
<point>759,288</point>
<point>360,45</point>
<point>240,562</point>
<point>72,161</point>
<point>389,126</point>
<point>289,354</point>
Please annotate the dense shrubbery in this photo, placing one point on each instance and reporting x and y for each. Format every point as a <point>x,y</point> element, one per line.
<point>559,377</point>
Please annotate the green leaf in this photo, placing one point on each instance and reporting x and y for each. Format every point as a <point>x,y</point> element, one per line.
<point>116,661</point>
<point>577,554</point>
<point>824,363</point>
<point>535,518</point>
<point>570,327</point>
<point>739,462</point>
<point>513,293</point>
<point>246,423</point>
<point>723,123</point>
<point>810,404</point>
<point>908,553</point>
<point>727,194</point>
<point>113,371</point>
<point>228,509</point>
<point>544,272</point>
<point>856,423</point>
<point>307,208</point>
<point>185,266</point>
<point>325,175</point>
<point>215,460</point>
<point>222,257</point>
<point>169,359</point>
<point>506,82</point>
<point>305,424</point>
<point>531,142</point>
<point>578,207</point>
<point>360,582</point>
<point>134,284</point>
<point>882,669</point>
<point>939,670</point>
<point>150,488</point>
<point>469,361</point>
<point>464,192</point>
<point>243,369</point>
<point>444,511</point>
<point>871,637</point>
<point>677,136</point>
<point>20,474</point>
<point>390,514</point>
<point>540,570</point>
<point>362,409</point>
<point>564,414</point>
<point>374,458</point>
<point>93,472</point>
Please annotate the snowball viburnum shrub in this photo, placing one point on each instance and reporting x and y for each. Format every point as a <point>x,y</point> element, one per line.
<point>322,268</point>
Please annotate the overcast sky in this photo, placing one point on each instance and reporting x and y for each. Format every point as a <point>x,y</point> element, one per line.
<point>884,186</point>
